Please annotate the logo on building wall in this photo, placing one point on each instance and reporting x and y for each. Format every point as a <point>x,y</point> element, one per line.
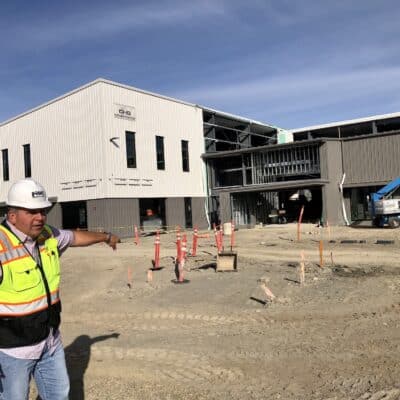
<point>124,112</point>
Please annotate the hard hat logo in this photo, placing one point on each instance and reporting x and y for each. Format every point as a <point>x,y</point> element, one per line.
<point>38,194</point>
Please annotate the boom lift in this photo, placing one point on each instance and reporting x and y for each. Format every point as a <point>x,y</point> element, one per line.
<point>385,205</point>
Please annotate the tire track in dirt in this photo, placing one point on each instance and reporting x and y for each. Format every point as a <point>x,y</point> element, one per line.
<point>388,394</point>
<point>199,319</point>
<point>164,320</point>
<point>175,365</point>
<point>362,389</point>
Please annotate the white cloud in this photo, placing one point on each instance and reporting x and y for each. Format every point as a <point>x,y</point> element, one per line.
<point>286,86</point>
<point>99,22</point>
<point>260,57</point>
<point>295,93</point>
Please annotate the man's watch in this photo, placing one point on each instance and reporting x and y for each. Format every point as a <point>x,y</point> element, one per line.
<point>108,239</point>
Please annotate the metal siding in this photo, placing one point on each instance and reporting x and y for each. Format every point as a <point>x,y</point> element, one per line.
<point>66,146</point>
<point>371,160</point>
<point>347,203</point>
<point>74,159</point>
<point>154,116</point>
<point>175,212</point>
<point>54,217</point>
<point>199,212</point>
<point>323,160</point>
<point>225,207</point>
<point>331,154</point>
<point>116,215</point>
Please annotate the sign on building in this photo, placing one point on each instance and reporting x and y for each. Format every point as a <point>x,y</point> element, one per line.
<point>124,112</point>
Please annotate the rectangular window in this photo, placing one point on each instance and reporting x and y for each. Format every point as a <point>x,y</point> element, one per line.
<point>185,155</point>
<point>160,152</point>
<point>130,149</point>
<point>27,160</point>
<point>6,175</point>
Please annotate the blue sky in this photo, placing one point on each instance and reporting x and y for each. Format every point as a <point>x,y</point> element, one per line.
<point>290,63</point>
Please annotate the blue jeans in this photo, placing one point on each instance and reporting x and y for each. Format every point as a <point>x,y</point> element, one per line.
<point>49,372</point>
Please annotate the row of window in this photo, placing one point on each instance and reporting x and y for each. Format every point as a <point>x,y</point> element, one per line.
<point>130,155</point>
<point>27,162</point>
<point>131,152</point>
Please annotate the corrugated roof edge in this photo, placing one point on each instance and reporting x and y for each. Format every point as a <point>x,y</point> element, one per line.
<point>87,85</point>
<point>102,80</point>
<point>252,121</point>
<point>346,122</point>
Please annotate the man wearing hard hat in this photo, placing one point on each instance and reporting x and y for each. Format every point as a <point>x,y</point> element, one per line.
<point>30,307</point>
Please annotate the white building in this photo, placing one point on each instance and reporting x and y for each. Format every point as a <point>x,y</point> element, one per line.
<point>106,153</point>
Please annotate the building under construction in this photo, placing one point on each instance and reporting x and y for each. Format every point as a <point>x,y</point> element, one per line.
<point>261,175</point>
<point>112,156</point>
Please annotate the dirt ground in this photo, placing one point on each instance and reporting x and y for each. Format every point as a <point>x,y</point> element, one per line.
<point>218,336</point>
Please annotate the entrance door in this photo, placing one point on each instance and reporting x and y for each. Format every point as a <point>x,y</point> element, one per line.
<point>240,209</point>
<point>188,212</point>
<point>152,213</point>
<point>74,215</point>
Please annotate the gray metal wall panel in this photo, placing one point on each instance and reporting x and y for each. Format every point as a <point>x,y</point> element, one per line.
<point>225,207</point>
<point>54,217</point>
<point>371,160</point>
<point>323,150</point>
<point>347,203</point>
<point>3,213</point>
<point>175,212</point>
<point>199,213</point>
<point>116,215</point>
<point>331,169</point>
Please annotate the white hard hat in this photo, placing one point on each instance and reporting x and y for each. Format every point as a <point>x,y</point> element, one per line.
<point>27,193</point>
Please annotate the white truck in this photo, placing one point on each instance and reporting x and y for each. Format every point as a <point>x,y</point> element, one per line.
<point>385,205</point>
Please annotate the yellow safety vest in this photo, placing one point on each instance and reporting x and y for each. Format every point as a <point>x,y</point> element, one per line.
<point>23,289</point>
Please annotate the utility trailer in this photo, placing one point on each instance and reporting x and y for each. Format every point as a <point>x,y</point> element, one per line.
<point>385,205</point>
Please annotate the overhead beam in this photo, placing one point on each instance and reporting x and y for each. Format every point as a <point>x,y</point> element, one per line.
<point>237,130</point>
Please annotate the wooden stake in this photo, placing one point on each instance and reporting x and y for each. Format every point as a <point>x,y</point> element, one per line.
<point>194,243</point>
<point>302,268</point>
<point>299,223</point>
<point>270,296</point>
<point>180,270</point>
<point>321,253</point>
<point>129,277</point>
<point>136,235</point>
<point>328,227</point>
<point>232,235</point>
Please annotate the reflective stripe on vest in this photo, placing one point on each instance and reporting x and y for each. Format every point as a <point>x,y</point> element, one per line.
<point>22,291</point>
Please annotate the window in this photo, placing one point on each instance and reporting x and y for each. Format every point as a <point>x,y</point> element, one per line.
<point>130,149</point>
<point>160,152</point>
<point>6,175</point>
<point>185,155</point>
<point>27,160</point>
